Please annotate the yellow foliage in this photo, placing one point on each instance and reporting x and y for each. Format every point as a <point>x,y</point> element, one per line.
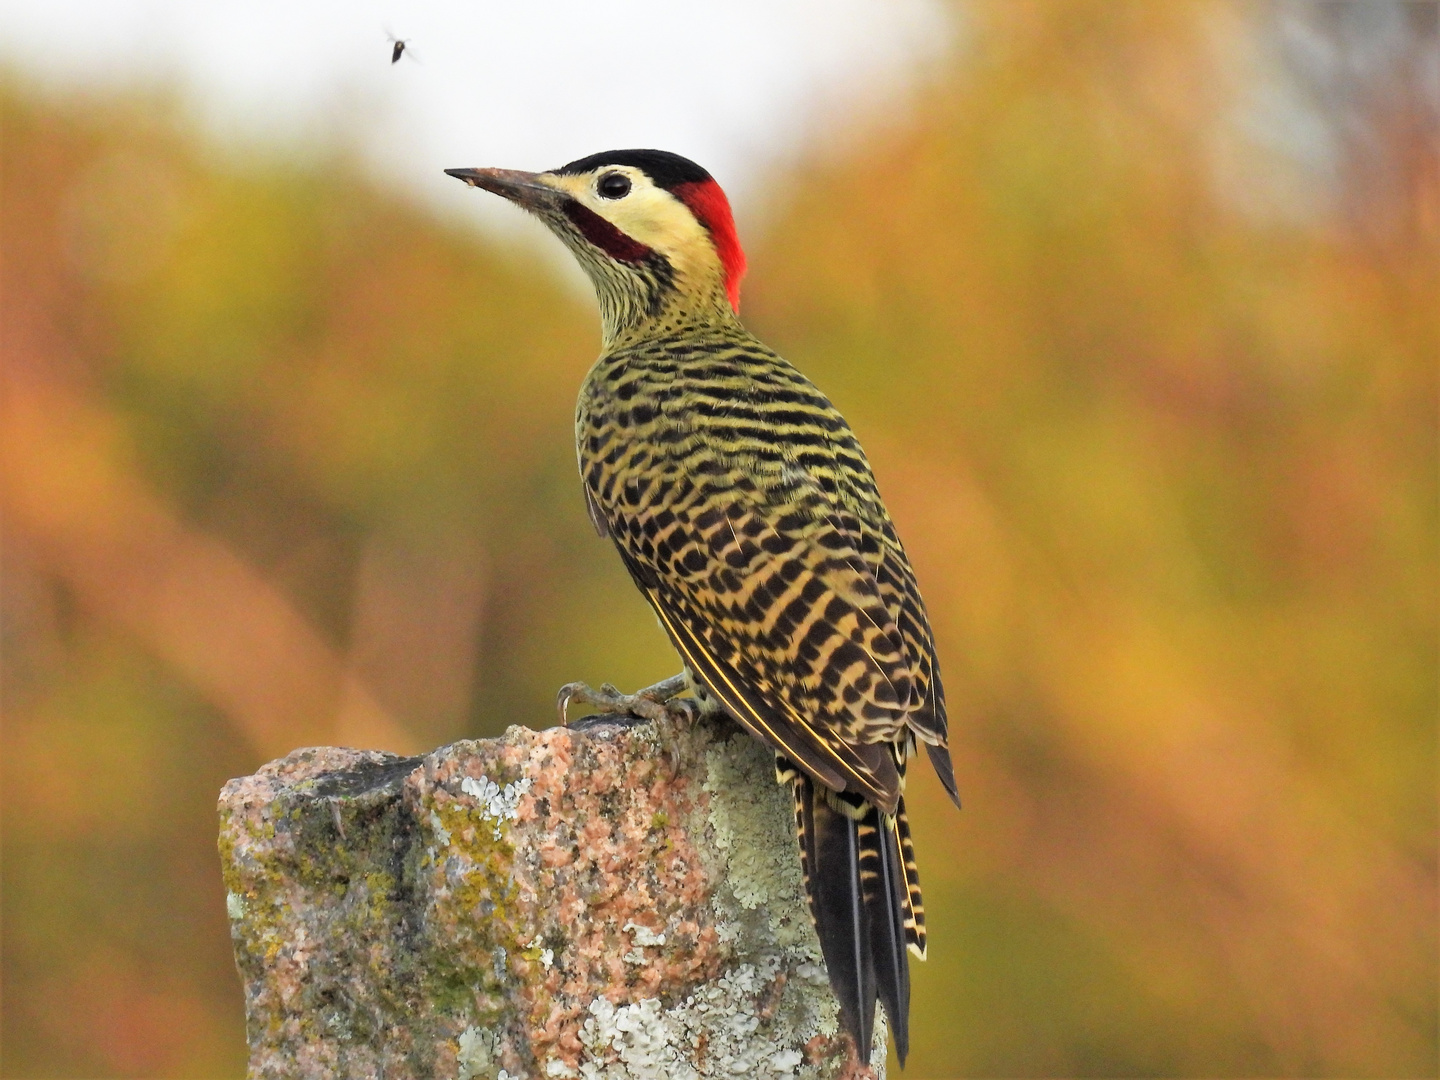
<point>1158,431</point>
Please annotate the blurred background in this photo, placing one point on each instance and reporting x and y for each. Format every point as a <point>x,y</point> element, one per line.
<point>1133,305</point>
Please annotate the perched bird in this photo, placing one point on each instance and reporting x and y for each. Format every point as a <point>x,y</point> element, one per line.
<point>743,507</point>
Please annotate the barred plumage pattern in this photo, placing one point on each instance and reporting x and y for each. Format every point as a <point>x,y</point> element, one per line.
<point>744,509</point>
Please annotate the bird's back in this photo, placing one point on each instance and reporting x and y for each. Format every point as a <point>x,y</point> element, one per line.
<point>744,507</point>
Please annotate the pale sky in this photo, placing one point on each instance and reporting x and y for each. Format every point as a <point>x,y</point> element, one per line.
<point>742,86</point>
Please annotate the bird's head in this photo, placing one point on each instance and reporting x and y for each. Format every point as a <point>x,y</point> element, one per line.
<point>652,229</point>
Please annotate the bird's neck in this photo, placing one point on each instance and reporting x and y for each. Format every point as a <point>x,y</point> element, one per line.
<point>629,318</point>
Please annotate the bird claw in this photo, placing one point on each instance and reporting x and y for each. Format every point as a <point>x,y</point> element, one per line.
<point>659,704</point>
<point>653,703</point>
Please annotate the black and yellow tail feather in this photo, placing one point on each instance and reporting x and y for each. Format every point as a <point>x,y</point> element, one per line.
<point>914,902</point>
<point>860,881</point>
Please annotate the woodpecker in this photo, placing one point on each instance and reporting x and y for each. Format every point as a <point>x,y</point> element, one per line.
<point>744,509</point>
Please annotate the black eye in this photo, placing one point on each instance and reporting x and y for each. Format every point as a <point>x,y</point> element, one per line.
<point>614,185</point>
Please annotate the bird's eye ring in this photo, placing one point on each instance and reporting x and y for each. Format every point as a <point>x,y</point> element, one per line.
<point>613,186</point>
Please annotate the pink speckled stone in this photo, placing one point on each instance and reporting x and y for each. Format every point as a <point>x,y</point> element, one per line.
<point>560,903</point>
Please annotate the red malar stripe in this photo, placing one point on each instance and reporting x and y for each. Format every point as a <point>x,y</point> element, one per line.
<point>605,236</point>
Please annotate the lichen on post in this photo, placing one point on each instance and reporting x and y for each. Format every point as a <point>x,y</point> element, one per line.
<point>573,902</point>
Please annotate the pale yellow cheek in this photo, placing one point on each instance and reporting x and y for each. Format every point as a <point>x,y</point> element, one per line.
<point>658,220</point>
<point>655,218</point>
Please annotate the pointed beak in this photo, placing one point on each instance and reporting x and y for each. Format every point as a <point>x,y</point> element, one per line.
<point>522,188</point>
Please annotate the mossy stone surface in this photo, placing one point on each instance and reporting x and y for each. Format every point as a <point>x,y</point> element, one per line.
<point>563,903</point>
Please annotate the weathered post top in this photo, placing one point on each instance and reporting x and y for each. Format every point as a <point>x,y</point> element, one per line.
<point>560,903</point>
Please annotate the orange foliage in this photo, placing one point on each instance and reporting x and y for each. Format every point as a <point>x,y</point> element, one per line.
<point>1152,403</point>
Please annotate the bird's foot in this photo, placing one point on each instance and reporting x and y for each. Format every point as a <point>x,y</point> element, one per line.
<point>660,704</point>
